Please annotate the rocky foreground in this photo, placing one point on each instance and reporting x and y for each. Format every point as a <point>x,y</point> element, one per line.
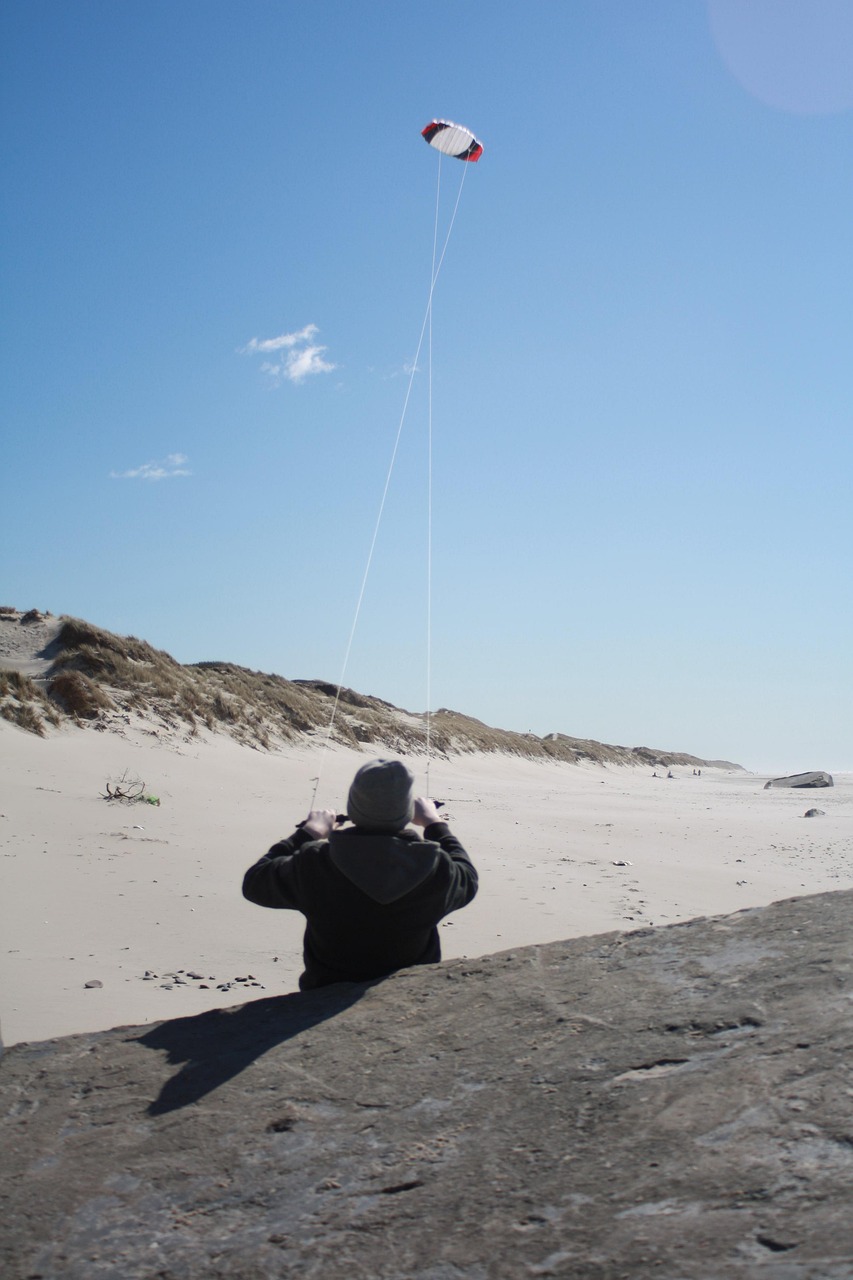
<point>672,1102</point>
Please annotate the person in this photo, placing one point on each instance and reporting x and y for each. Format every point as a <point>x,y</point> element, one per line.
<point>374,892</point>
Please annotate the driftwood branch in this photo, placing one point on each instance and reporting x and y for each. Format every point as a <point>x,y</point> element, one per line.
<point>124,788</point>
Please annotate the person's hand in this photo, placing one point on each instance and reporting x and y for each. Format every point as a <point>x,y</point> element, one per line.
<point>425,812</point>
<point>319,823</point>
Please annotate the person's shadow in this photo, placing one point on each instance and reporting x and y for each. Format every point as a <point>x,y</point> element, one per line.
<point>216,1046</point>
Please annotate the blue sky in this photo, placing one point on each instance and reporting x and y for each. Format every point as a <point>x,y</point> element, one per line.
<point>219,223</point>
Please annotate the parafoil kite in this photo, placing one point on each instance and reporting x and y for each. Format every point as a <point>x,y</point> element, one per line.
<point>453,140</point>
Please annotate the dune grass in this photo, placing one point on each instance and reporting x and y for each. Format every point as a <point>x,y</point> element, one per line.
<point>96,676</point>
<point>23,703</point>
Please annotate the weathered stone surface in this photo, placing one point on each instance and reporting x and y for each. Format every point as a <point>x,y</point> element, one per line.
<point>671,1103</point>
<point>816,779</point>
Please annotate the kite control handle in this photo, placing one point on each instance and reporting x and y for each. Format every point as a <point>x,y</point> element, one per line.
<point>341,818</point>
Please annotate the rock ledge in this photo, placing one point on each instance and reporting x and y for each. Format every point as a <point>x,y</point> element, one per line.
<point>670,1102</point>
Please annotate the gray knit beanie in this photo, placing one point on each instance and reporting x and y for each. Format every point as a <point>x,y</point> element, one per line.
<point>382,795</point>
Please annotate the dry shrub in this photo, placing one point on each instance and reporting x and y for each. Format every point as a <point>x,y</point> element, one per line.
<point>14,684</point>
<point>78,695</point>
<point>24,704</point>
<point>225,710</point>
<point>25,716</point>
<point>190,701</point>
<point>147,677</point>
<point>85,646</point>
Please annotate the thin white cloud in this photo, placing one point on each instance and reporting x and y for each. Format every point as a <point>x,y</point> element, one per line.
<point>172,465</point>
<point>301,364</point>
<point>303,357</point>
<point>407,370</point>
<point>282,341</point>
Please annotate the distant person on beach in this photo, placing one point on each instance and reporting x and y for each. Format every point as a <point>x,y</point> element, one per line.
<point>374,892</point>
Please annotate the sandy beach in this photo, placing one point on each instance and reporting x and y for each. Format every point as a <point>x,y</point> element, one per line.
<point>146,901</point>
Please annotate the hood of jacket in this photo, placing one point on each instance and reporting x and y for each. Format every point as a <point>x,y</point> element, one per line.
<point>385,867</point>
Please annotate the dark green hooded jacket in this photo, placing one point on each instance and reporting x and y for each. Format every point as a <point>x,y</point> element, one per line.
<point>372,900</point>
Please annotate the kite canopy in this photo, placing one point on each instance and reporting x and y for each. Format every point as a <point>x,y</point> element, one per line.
<point>453,140</point>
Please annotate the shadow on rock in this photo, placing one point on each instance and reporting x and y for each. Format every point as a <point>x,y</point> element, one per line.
<point>216,1046</point>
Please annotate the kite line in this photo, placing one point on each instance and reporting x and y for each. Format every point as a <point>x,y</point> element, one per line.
<point>453,140</point>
